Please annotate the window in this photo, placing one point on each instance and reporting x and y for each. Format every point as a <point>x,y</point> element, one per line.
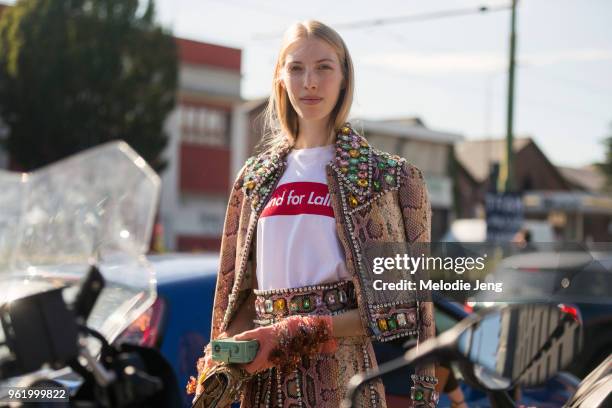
<point>203,125</point>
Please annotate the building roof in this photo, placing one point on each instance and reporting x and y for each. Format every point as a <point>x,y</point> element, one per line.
<point>412,120</point>
<point>201,53</point>
<point>408,128</point>
<point>588,178</point>
<point>476,156</point>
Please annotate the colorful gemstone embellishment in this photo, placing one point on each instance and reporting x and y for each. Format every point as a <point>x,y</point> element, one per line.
<point>279,305</point>
<point>382,324</point>
<point>418,395</point>
<point>354,164</point>
<point>269,306</point>
<point>330,297</point>
<point>401,319</point>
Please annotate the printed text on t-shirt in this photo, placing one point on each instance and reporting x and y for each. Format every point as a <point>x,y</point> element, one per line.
<point>299,198</point>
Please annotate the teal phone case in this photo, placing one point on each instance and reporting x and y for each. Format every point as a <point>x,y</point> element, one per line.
<point>234,351</point>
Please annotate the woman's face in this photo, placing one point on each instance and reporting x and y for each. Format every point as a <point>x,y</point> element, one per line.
<point>312,77</point>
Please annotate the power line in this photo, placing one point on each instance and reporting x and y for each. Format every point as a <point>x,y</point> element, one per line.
<point>354,25</point>
<point>419,17</point>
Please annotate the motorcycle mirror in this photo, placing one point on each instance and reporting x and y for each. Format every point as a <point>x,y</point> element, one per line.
<point>516,344</point>
<point>520,344</point>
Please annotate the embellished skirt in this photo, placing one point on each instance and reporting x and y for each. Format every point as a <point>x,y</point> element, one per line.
<point>320,381</point>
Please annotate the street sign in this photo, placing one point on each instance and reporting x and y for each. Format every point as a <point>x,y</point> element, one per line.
<point>504,215</point>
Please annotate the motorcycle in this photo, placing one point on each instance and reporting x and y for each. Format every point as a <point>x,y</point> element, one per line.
<point>68,233</point>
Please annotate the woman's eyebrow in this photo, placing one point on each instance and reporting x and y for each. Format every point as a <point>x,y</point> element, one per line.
<point>321,60</point>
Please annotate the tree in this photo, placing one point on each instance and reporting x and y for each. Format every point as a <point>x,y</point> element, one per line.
<point>76,73</point>
<point>606,166</point>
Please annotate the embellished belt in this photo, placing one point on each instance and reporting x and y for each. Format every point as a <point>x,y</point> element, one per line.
<point>325,299</point>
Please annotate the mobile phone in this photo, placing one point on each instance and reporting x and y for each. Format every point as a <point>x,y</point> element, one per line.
<point>234,351</point>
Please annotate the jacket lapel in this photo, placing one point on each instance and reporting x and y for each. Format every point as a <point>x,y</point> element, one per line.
<point>262,173</point>
<point>353,166</point>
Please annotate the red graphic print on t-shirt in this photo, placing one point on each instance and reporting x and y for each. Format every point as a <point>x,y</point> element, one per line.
<point>299,198</point>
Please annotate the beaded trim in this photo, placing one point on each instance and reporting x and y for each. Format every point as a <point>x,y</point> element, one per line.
<point>375,323</point>
<point>424,378</point>
<point>290,291</point>
<point>424,395</point>
<point>326,299</point>
<point>366,360</point>
<point>245,250</point>
<point>256,182</point>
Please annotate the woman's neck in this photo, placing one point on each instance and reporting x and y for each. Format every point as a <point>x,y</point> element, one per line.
<point>313,134</point>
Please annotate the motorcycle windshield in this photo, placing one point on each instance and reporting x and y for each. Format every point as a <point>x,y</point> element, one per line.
<point>97,206</point>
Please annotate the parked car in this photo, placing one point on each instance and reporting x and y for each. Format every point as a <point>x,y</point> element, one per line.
<point>179,324</point>
<point>475,230</point>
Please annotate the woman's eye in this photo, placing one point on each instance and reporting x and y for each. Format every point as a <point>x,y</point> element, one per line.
<point>295,68</point>
<point>325,67</point>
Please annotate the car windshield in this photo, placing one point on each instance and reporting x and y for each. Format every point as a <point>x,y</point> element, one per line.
<point>97,206</point>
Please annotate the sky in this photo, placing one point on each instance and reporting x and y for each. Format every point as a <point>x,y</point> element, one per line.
<point>451,72</point>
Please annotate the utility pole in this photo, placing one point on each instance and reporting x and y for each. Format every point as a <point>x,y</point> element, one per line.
<point>506,173</point>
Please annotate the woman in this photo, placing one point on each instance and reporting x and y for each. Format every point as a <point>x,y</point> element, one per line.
<point>300,215</point>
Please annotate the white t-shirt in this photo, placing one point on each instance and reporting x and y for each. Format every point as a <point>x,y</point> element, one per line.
<point>297,243</point>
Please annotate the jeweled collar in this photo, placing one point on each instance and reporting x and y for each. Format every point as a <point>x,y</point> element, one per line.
<point>362,170</point>
<point>353,162</point>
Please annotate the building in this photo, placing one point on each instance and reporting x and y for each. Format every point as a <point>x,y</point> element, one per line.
<point>568,199</point>
<point>477,161</point>
<point>196,183</point>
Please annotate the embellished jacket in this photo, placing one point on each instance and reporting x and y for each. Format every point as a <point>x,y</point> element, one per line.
<point>376,198</point>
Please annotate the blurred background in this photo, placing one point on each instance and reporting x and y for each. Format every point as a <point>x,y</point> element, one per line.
<point>184,81</point>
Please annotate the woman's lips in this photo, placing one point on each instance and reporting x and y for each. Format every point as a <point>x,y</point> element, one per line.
<point>311,101</point>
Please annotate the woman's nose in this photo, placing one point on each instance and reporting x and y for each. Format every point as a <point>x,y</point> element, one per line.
<point>310,80</point>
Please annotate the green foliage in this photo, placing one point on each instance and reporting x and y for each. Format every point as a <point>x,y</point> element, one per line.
<point>76,73</point>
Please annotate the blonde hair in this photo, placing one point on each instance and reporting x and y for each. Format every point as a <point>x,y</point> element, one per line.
<point>280,119</point>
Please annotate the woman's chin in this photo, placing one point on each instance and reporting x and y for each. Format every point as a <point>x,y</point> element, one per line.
<point>312,114</point>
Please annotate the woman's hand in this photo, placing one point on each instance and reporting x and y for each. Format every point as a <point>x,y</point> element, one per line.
<point>286,342</point>
<point>268,339</point>
<point>203,365</point>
